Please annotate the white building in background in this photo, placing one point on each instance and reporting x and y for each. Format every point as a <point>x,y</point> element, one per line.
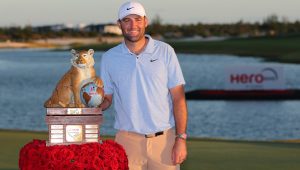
<point>100,28</point>
<point>112,29</point>
<point>59,27</point>
<point>80,26</point>
<point>104,28</point>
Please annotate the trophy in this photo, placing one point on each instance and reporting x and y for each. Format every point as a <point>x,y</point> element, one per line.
<point>73,113</point>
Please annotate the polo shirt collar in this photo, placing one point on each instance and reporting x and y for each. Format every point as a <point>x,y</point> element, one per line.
<point>149,48</point>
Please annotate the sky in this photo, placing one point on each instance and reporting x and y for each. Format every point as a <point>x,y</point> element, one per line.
<point>49,12</point>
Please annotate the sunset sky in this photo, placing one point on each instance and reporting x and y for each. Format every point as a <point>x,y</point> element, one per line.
<point>44,12</point>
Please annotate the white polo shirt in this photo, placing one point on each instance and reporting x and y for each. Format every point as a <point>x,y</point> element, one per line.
<point>140,86</point>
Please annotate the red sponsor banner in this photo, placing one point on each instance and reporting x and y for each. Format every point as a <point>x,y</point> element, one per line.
<point>254,78</point>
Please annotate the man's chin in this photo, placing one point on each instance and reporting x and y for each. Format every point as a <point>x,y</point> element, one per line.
<point>133,38</point>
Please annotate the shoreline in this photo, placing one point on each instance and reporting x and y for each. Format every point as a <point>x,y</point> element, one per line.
<point>17,45</point>
<point>60,43</point>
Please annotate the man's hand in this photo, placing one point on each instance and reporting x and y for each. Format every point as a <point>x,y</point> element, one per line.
<point>106,102</point>
<point>179,152</point>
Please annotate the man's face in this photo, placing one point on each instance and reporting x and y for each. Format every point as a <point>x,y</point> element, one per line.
<point>133,27</point>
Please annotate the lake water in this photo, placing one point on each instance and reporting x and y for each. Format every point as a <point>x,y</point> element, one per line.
<point>27,78</point>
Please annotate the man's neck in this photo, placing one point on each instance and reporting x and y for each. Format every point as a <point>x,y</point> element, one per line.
<point>137,47</point>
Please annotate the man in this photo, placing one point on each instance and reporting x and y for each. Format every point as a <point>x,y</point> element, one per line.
<point>144,78</point>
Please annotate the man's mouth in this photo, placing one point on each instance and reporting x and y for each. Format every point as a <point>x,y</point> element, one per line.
<point>133,32</point>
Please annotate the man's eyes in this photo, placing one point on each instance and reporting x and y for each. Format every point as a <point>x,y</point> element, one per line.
<point>136,19</point>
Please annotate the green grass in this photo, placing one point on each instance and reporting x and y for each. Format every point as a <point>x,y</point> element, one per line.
<point>279,49</point>
<point>11,142</point>
<point>242,155</point>
<point>203,154</point>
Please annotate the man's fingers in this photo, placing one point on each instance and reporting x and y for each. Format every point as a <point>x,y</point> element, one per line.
<point>177,159</point>
<point>173,157</point>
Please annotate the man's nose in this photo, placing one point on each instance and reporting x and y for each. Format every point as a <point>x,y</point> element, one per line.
<point>133,24</point>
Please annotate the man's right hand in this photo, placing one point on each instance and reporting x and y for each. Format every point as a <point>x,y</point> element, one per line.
<point>106,102</point>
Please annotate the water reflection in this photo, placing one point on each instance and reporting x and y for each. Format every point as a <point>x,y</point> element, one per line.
<point>28,78</point>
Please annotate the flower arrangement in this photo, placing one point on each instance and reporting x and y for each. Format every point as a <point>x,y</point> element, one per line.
<point>90,156</point>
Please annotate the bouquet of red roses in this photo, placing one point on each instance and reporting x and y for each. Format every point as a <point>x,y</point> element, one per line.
<point>105,156</point>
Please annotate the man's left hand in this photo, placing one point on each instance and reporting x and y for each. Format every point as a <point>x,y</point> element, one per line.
<point>179,152</point>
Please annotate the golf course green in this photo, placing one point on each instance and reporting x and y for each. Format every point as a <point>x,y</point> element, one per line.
<point>203,154</point>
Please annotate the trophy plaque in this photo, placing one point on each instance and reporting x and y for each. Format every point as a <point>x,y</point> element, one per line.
<point>73,125</point>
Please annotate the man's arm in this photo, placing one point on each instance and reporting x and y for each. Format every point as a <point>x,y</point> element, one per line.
<point>106,102</point>
<point>179,152</point>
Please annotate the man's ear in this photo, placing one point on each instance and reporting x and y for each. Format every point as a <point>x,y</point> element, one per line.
<point>146,22</point>
<point>119,24</point>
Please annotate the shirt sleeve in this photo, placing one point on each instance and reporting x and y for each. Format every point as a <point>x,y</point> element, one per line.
<point>175,76</point>
<point>105,76</point>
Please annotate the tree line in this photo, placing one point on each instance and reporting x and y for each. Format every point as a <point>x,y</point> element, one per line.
<point>271,26</point>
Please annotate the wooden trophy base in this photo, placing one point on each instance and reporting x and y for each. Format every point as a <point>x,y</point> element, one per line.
<point>73,125</point>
